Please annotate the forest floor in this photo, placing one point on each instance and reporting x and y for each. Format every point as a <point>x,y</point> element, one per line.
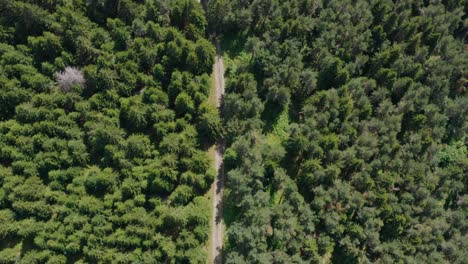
<point>217,232</point>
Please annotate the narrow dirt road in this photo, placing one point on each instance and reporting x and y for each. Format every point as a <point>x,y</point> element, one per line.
<point>218,185</point>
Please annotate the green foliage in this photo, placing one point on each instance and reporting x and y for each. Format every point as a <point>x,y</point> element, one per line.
<point>345,124</point>
<point>332,74</point>
<point>184,104</point>
<point>46,47</point>
<point>209,124</point>
<point>188,16</point>
<point>346,130</point>
<point>110,171</point>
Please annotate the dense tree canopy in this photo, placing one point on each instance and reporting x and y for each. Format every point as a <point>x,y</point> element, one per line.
<point>346,125</point>
<point>102,114</point>
<point>344,121</point>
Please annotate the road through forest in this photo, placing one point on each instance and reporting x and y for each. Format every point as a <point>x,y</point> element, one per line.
<point>218,188</point>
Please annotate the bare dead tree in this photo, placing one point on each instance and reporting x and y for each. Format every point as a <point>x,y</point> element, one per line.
<point>68,78</point>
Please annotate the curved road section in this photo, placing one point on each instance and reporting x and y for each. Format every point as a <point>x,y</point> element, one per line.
<point>218,185</point>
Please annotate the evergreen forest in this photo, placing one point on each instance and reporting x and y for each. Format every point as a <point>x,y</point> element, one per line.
<point>343,127</point>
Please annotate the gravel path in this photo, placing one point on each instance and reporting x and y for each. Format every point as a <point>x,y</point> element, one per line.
<point>218,188</point>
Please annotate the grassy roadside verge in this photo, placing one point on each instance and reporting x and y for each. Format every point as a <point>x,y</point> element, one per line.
<point>211,151</point>
<point>276,130</point>
<point>209,196</point>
